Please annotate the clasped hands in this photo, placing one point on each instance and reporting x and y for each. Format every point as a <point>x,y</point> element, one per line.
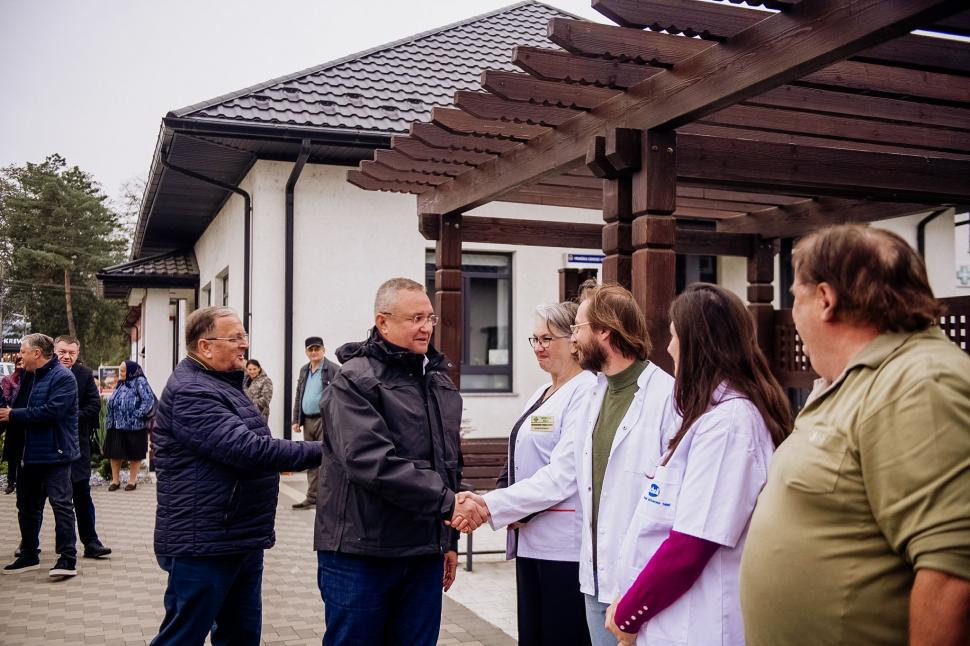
<point>470,512</point>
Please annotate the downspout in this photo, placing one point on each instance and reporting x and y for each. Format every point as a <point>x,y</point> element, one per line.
<point>921,230</point>
<point>288,289</point>
<point>247,225</point>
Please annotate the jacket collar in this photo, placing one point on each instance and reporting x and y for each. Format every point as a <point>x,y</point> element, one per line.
<point>41,372</point>
<point>232,377</point>
<point>377,347</point>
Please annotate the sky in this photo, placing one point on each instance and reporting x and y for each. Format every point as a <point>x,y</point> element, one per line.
<point>92,79</point>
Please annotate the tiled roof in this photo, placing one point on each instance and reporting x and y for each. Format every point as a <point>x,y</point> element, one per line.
<point>174,265</point>
<point>386,88</point>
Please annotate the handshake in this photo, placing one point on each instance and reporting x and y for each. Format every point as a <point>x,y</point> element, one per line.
<point>470,512</point>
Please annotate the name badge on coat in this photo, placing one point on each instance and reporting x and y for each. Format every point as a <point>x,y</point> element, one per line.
<point>542,423</point>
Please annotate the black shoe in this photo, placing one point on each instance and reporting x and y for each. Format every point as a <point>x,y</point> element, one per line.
<point>22,564</point>
<point>306,504</point>
<point>9,489</point>
<point>64,567</point>
<point>114,486</point>
<point>96,551</point>
<point>17,553</point>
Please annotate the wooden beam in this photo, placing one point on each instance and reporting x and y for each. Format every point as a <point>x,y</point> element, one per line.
<point>720,22</point>
<point>573,235</point>
<point>460,122</point>
<point>387,174</point>
<point>448,292</point>
<point>489,106</point>
<point>773,52</point>
<point>554,196</point>
<point>557,65</point>
<point>789,223</point>
<point>395,160</point>
<point>523,87</point>
<point>369,183</point>
<point>439,138</point>
<point>423,152</point>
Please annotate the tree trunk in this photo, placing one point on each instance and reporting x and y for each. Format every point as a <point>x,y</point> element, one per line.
<point>67,302</point>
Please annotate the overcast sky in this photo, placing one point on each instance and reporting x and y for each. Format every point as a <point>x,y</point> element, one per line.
<point>92,79</point>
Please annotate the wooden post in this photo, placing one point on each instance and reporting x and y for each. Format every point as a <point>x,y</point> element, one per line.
<point>448,296</point>
<point>761,293</point>
<point>616,170</point>
<point>654,233</point>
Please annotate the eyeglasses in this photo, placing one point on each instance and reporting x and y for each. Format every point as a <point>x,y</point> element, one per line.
<point>544,341</point>
<point>418,320</point>
<point>575,328</point>
<point>243,338</point>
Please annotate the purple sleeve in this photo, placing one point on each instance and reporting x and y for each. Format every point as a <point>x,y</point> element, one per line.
<point>672,570</point>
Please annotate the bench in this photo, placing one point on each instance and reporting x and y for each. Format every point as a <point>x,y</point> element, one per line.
<point>484,459</point>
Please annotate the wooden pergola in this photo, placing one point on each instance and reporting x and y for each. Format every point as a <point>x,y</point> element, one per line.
<point>767,123</point>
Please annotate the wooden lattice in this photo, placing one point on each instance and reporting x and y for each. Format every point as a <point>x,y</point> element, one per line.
<point>955,321</point>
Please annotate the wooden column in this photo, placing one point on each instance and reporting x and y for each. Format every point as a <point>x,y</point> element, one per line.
<point>570,278</point>
<point>761,292</point>
<point>654,233</point>
<point>616,170</point>
<point>447,295</point>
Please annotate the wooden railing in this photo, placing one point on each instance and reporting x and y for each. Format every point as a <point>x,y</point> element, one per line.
<point>793,369</point>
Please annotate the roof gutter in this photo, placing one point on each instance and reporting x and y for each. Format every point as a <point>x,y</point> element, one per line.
<point>921,230</point>
<point>247,226</point>
<point>288,288</point>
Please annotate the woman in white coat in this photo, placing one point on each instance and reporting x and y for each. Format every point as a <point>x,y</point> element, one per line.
<point>547,543</point>
<point>678,564</point>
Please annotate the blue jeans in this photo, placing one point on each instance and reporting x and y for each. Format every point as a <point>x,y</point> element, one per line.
<point>596,621</point>
<point>221,594</point>
<point>372,600</point>
<point>35,484</point>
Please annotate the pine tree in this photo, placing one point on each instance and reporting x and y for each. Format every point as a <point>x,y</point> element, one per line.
<point>56,232</point>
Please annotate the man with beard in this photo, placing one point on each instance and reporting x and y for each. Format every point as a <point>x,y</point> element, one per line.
<point>616,443</point>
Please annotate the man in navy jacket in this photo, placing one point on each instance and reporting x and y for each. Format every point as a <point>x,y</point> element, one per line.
<point>46,408</point>
<point>218,484</point>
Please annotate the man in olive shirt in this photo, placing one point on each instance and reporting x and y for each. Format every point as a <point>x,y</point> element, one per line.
<point>862,533</point>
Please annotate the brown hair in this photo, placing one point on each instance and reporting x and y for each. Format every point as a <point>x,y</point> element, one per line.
<point>877,277</point>
<point>612,307</point>
<point>717,345</point>
<point>202,322</point>
<point>68,339</point>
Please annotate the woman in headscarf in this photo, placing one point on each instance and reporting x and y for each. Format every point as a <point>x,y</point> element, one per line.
<point>258,387</point>
<point>131,406</point>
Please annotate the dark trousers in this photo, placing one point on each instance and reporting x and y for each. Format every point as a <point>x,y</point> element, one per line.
<point>35,484</point>
<point>84,510</point>
<point>217,594</point>
<point>370,600</point>
<point>13,466</point>
<point>551,609</point>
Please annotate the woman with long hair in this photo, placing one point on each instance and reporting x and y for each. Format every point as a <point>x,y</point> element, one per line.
<point>258,387</point>
<point>680,558</point>
<point>129,410</point>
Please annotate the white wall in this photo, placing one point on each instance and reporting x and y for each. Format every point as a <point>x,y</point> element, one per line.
<point>157,338</point>
<point>941,261</point>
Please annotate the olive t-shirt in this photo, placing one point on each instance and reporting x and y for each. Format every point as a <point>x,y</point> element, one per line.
<point>873,484</point>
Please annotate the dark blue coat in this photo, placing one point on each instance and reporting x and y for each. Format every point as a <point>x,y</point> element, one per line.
<point>50,418</point>
<point>217,465</point>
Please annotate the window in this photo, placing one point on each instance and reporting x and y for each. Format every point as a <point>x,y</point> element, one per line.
<point>486,364</point>
<point>205,296</point>
<point>223,279</point>
<point>695,269</point>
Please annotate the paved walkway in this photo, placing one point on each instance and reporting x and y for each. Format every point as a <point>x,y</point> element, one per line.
<point>118,601</point>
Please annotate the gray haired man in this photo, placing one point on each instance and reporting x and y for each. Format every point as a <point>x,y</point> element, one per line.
<point>314,379</point>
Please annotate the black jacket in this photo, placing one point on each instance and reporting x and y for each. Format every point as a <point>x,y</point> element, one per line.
<point>50,416</point>
<point>391,454</point>
<point>89,416</point>
<point>329,372</point>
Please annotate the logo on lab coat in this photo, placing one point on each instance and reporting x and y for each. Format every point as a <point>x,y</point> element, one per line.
<point>654,490</point>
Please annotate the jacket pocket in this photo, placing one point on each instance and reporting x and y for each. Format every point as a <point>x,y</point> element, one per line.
<point>232,505</point>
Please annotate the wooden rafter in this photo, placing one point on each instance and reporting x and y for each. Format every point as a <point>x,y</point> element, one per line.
<point>488,106</point>
<point>522,87</point>
<point>460,122</point>
<point>787,221</point>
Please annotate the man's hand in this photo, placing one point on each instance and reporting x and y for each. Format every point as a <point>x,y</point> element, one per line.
<point>470,512</point>
<point>622,638</point>
<point>451,570</point>
<point>4,414</point>
<point>296,428</point>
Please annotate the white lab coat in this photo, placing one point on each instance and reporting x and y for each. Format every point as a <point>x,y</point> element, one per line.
<point>707,489</point>
<point>636,447</point>
<point>544,470</point>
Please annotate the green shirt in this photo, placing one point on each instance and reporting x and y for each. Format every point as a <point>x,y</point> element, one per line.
<point>620,390</point>
<point>873,484</point>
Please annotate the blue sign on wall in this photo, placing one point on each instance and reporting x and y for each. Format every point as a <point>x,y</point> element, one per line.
<point>586,257</point>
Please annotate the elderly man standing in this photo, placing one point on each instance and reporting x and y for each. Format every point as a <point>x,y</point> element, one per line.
<point>392,462</point>
<point>862,533</point>
<point>218,484</point>
<point>67,349</point>
<point>46,408</point>
<point>315,378</point>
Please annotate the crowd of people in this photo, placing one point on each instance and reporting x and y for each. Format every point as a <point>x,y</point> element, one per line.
<point>641,507</point>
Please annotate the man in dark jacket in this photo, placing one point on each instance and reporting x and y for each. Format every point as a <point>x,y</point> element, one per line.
<point>218,484</point>
<point>46,408</point>
<point>67,349</point>
<point>315,378</point>
<point>392,462</point>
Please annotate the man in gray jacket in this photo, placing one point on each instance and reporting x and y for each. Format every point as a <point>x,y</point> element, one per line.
<point>315,378</point>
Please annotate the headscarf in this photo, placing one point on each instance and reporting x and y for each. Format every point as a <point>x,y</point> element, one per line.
<point>133,370</point>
